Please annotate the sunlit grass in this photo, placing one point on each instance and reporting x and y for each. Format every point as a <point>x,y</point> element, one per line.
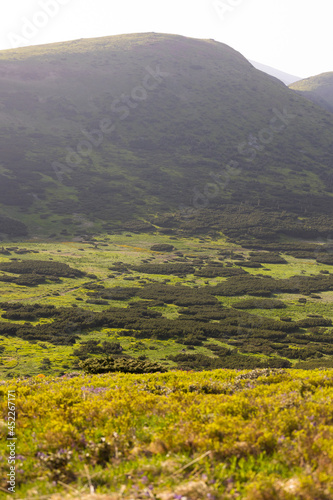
<point>224,433</point>
<point>95,258</point>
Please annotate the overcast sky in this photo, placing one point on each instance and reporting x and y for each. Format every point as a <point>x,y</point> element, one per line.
<point>295,36</point>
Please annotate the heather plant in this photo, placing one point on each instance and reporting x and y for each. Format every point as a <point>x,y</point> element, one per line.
<point>227,433</point>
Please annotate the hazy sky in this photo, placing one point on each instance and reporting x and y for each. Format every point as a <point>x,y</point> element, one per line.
<point>294,36</point>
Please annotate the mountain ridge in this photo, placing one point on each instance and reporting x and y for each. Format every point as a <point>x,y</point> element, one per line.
<point>318,89</point>
<point>286,78</point>
<point>163,138</point>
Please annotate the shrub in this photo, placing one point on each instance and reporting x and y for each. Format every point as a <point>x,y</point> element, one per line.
<point>248,263</point>
<point>93,347</point>
<point>267,258</point>
<point>219,271</point>
<point>40,267</point>
<point>162,247</point>
<point>109,364</point>
<point>313,322</point>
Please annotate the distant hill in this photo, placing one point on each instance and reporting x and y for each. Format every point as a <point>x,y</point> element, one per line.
<point>101,132</point>
<point>319,89</point>
<point>281,75</point>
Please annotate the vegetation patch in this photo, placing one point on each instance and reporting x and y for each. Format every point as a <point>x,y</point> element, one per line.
<point>186,433</point>
<point>259,304</point>
<point>162,247</point>
<point>40,267</point>
<point>109,364</point>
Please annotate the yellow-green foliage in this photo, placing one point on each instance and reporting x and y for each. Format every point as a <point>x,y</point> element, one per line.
<point>260,434</point>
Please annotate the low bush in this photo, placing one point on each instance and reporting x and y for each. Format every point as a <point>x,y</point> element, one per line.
<point>162,247</point>
<point>40,267</point>
<point>259,304</point>
<point>124,365</point>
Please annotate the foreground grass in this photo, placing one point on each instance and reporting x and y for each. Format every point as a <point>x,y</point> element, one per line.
<point>223,434</point>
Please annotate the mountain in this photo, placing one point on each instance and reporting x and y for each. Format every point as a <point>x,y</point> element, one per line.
<point>281,75</point>
<point>319,89</point>
<point>121,132</point>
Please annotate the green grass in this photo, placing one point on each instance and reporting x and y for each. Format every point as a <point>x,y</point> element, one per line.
<point>24,358</point>
<point>223,434</point>
<point>319,89</point>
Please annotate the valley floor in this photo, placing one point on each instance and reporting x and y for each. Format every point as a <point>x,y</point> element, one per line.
<point>240,406</point>
<point>206,303</point>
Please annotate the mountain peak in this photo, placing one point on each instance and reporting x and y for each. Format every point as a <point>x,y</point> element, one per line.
<point>133,126</point>
<point>319,89</point>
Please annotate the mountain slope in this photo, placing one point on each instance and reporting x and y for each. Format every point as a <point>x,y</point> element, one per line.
<point>281,75</point>
<point>319,89</point>
<point>98,132</point>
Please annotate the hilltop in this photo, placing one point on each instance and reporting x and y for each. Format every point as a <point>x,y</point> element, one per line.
<point>219,174</point>
<point>99,134</point>
<point>319,89</point>
<point>166,274</point>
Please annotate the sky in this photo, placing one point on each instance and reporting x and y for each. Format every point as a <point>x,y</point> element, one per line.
<point>294,36</point>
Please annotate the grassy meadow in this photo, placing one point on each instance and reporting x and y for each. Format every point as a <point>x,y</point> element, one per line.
<point>224,434</point>
<point>95,257</point>
<point>198,430</point>
<point>166,280</point>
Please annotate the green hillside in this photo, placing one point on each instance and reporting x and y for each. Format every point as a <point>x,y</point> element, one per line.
<point>166,284</point>
<point>319,89</point>
<point>219,174</point>
<point>203,135</point>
